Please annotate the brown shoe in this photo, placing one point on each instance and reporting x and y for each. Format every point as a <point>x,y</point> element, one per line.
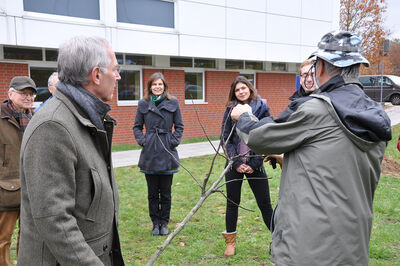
<point>230,240</point>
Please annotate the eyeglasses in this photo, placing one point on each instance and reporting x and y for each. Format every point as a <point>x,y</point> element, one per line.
<point>310,73</point>
<point>305,75</point>
<point>118,69</point>
<point>25,94</point>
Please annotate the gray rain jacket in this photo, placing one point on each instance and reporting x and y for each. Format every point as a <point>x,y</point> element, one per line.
<point>329,174</point>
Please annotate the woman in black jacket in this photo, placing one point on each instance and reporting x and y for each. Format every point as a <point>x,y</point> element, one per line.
<point>251,165</point>
<point>158,111</point>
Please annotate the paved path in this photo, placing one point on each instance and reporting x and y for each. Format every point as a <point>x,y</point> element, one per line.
<point>126,158</point>
<point>394,114</point>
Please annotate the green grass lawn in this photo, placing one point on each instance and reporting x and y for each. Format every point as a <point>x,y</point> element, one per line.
<point>203,242</point>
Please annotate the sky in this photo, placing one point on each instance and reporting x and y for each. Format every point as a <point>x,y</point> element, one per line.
<point>392,21</point>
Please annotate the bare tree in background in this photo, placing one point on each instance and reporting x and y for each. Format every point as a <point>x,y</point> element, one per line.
<point>394,56</point>
<point>366,19</point>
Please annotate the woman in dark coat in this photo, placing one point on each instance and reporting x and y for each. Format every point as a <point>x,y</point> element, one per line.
<point>158,111</point>
<point>243,92</point>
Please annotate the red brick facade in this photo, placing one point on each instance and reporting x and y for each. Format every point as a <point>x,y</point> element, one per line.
<point>7,72</point>
<point>275,87</point>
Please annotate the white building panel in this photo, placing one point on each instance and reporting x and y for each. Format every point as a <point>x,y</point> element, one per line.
<point>141,42</point>
<point>209,2</point>
<point>201,20</point>
<point>306,51</point>
<point>283,53</point>
<point>195,46</point>
<point>7,29</point>
<point>254,5</point>
<point>284,7</point>
<point>335,11</point>
<point>32,32</point>
<point>12,7</point>
<point>245,25</point>
<point>236,49</point>
<point>317,9</point>
<point>283,29</point>
<point>312,31</point>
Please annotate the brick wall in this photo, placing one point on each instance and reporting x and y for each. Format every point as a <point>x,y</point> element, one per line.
<point>276,88</point>
<point>7,72</point>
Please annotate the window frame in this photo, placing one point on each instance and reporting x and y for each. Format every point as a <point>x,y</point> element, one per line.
<point>132,102</point>
<point>250,72</point>
<point>130,26</point>
<point>197,101</point>
<point>39,64</point>
<point>58,18</point>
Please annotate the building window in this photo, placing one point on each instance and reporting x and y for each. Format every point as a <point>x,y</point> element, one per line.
<point>250,77</point>
<point>234,64</point>
<point>279,67</point>
<point>51,55</point>
<point>73,8</point>
<point>256,65</point>
<point>22,53</point>
<point>194,89</point>
<point>204,63</point>
<point>129,86</point>
<point>146,12</point>
<point>120,58</point>
<point>138,60</point>
<point>181,62</point>
<point>40,76</point>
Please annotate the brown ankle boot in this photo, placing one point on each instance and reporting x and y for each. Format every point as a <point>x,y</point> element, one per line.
<point>230,240</point>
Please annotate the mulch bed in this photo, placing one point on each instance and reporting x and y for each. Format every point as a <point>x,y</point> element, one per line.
<point>390,167</point>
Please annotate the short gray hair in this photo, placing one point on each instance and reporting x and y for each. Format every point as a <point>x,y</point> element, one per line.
<point>348,73</point>
<point>50,81</point>
<point>78,56</point>
<point>351,72</point>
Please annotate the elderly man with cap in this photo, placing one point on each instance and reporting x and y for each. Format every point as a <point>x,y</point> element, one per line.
<point>15,115</point>
<point>334,143</point>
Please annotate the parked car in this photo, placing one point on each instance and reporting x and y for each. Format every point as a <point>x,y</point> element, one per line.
<point>43,94</point>
<point>390,88</point>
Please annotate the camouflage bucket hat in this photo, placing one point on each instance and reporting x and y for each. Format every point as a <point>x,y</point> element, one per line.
<point>341,49</point>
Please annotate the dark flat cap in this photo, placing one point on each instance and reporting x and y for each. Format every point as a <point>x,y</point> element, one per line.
<point>22,82</point>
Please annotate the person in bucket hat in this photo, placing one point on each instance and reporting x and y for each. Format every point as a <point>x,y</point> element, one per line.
<point>341,49</point>
<point>334,141</point>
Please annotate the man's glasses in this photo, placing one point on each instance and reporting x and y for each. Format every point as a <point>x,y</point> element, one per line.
<point>117,68</point>
<point>310,73</point>
<point>25,95</point>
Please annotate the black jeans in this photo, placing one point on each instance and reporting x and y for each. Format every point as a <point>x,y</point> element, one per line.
<point>159,196</point>
<point>260,190</point>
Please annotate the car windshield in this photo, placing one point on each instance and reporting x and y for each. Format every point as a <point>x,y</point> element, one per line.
<point>395,79</point>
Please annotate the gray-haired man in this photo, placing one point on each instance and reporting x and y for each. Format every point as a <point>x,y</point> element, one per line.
<point>334,143</point>
<point>51,85</point>
<point>69,204</point>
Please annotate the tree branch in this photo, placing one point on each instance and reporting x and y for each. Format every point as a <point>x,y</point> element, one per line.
<point>187,218</point>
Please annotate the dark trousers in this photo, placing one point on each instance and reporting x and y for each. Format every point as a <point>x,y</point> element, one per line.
<point>260,190</point>
<point>159,196</point>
